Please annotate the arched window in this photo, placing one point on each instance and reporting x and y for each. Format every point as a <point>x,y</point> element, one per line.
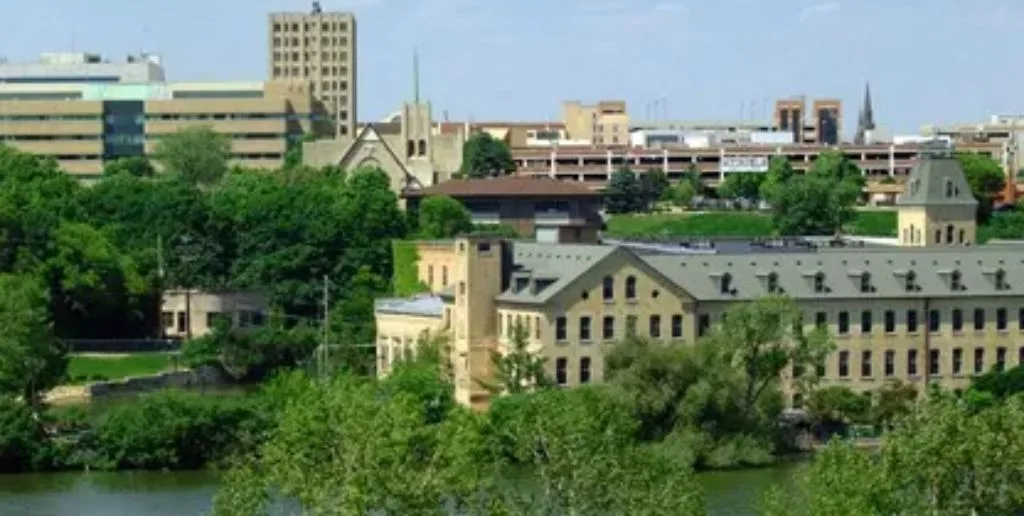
<point>608,288</point>
<point>423,148</point>
<point>410,148</point>
<point>949,234</point>
<point>631,287</point>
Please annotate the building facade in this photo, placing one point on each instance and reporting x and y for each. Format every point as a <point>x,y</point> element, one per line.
<point>604,123</point>
<point>194,313</point>
<point>84,125</point>
<point>318,47</point>
<point>72,67</point>
<point>823,125</point>
<point>935,309</point>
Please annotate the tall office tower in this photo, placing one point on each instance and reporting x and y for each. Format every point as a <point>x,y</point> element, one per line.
<point>318,47</point>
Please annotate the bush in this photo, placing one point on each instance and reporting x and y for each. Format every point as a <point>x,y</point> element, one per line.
<point>22,440</point>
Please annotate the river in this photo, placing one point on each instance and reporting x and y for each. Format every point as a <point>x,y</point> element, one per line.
<point>189,493</point>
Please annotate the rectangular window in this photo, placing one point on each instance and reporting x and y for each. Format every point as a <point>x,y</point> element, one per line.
<point>536,327</point>
<point>865,363</point>
<point>1000,359</point>
<point>584,370</point>
<point>561,332</point>
<point>820,319</point>
<point>979,360</point>
<point>677,326</point>
<point>608,328</point>
<point>1020,319</point>
<point>865,322</point>
<point>166,320</point>
<point>703,325</point>
<point>630,325</point>
<point>890,321</point>
<point>1020,356</point>
<point>912,362</point>
<point>584,329</point>
<point>655,326</point>
<point>934,321</point>
<point>890,363</point>
<point>1001,319</point>
<point>911,321</point>
<point>934,362</point>
<point>958,320</point>
<point>958,361</point>
<point>562,370</point>
<point>844,364</point>
<point>844,323</point>
<point>979,319</point>
<point>181,322</point>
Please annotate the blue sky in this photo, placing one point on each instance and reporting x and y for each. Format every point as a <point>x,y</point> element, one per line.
<point>927,60</point>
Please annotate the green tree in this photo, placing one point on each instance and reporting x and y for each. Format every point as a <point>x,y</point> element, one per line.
<point>197,154</point>
<point>893,402</point>
<point>741,186</point>
<point>779,173</point>
<point>986,178</point>
<point>654,185</point>
<point>21,436</point>
<point>443,217</point>
<point>517,370</point>
<point>624,193</point>
<point>485,156</point>
<point>31,359</point>
<point>838,406</point>
<point>136,166</point>
<point>681,194</point>
<point>820,202</point>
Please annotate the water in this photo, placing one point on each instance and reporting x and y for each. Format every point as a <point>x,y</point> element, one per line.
<point>189,493</point>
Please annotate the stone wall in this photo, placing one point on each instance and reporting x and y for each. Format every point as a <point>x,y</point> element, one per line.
<point>201,377</point>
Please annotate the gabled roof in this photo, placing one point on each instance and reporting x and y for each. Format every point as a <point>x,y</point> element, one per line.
<point>556,266</point>
<point>506,186</point>
<point>369,133</point>
<point>937,180</point>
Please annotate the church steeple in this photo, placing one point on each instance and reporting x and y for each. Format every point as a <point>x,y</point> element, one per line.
<point>415,75</point>
<point>866,122</point>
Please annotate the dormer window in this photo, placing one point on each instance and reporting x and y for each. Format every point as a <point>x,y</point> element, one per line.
<point>865,283</point>
<point>949,188</point>
<point>725,283</point>
<point>955,281</point>
<point>819,282</point>
<point>910,282</point>
<point>773,283</point>
<point>1000,280</point>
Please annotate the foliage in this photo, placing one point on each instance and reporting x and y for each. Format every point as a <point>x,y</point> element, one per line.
<point>690,225</point>
<point>252,354</point>
<point>681,194</point>
<point>199,155</point>
<point>986,178</point>
<point>31,359</point>
<point>654,186</point>
<point>893,402</point>
<point>779,174</point>
<point>136,166</point>
<point>485,156</point>
<point>838,405</point>
<point>21,436</point>
<point>1000,384</point>
<point>820,202</point>
<point>406,280</point>
<point>443,217</point>
<point>518,369</point>
<point>741,186</point>
<point>624,192</point>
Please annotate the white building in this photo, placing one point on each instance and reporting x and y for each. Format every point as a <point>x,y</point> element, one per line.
<point>82,67</point>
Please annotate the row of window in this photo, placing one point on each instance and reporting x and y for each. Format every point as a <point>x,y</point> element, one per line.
<point>654,327</point>
<point>327,26</point>
<point>934,362</point>
<point>912,235</point>
<point>978,322</point>
<point>908,279</point>
<point>128,138</point>
<point>562,370</point>
<point>246,318</point>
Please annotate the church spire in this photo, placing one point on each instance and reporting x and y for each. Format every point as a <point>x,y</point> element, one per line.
<point>866,122</point>
<point>415,75</point>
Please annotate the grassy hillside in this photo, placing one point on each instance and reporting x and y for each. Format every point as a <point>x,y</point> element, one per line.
<point>732,224</point>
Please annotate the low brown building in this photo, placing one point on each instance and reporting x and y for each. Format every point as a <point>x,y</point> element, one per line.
<point>549,210</point>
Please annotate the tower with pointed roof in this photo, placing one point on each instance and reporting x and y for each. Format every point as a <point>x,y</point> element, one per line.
<point>417,130</point>
<point>937,208</point>
<point>866,121</point>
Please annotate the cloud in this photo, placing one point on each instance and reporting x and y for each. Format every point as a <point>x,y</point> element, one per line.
<point>819,10</point>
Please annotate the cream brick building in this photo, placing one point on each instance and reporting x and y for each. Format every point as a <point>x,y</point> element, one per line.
<point>936,308</point>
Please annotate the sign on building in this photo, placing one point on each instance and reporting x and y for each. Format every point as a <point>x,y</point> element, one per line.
<point>744,164</point>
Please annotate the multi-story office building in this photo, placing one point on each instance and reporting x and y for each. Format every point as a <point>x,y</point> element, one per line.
<point>82,67</point>
<point>84,125</point>
<point>604,123</point>
<point>1006,131</point>
<point>823,126</point>
<point>318,47</point>
<point>932,308</point>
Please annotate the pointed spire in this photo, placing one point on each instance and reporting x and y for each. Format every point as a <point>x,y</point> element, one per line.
<point>415,75</point>
<point>866,121</point>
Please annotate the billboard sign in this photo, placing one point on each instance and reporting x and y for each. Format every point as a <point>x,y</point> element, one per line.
<point>744,164</point>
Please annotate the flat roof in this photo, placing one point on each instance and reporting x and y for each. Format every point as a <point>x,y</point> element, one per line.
<point>426,305</point>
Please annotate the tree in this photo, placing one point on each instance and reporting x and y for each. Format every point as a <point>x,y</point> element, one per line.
<point>893,402</point>
<point>136,166</point>
<point>741,186</point>
<point>820,202</point>
<point>485,156</point>
<point>443,217</point>
<point>197,154</point>
<point>654,186</point>
<point>986,178</point>
<point>624,193</point>
<point>838,406</point>
<point>517,370</point>
<point>21,436</point>
<point>681,194</point>
<point>31,360</point>
<point>779,173</point>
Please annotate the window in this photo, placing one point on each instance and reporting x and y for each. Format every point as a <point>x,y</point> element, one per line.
<point>865,322</point>
<point>1020,319</point>
<point>820,319</point>
<point>655,326</point>
<point>910,282</point>
<point>961,235</point>
<point>725,284</point>
<point>560,329</point>
<point>1020,356</point>
<point>865,363</point>
<point>934,321</point>
<point>584,329</point>
<point>890,321</point>
<point>422,148</point>
<point>979,360</point>
<point>508,325</point>
<point>912,362</point>
<point>865,283</point>
<point>890,363</point>
<point>430,275</point>
<point>536,327</point>
<point>1001,319</point>
<point>444,276</point>
<point>181,321</point>
<point>631,287</point>
<point>911,321</point>
<point>608,328</point>
<point>1000,279</point>
<point>949,190</point>
<point>938,236</point>
<point>166,319</point>
<point>819,282</point>
<point>630,325</point>
<point>773,283</point>
<point>934,362</point>
<point>798,401</point>
<point>955,281</point>
<point>1000,359</point>
<point>562,370</point>
<point>677,326</point>
<point>608,288</point>
<point>844,323</point>
<point>703,324</point>
<point>584,370</point>
<point>958,361</point>
<point>949,234</point>
<point>844,364</point>
<point>958,320</point>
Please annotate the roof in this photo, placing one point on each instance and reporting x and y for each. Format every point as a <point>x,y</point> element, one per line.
<point>422,306</point>
<point>550,268</point>
<point>506,186</point>
<point>938,180</point>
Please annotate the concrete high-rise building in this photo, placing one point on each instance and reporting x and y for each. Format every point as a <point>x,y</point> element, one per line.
<point>318,47</point>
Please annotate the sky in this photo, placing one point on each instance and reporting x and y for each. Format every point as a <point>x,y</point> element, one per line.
<point>928,61</point>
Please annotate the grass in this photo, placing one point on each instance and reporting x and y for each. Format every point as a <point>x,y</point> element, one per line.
<point>84,368</point>
<point>733,224</point>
